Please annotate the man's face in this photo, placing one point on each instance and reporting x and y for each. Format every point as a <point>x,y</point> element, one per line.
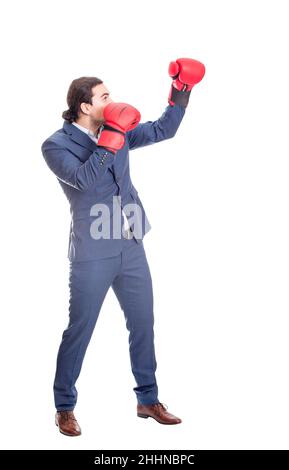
<point>100,98</point>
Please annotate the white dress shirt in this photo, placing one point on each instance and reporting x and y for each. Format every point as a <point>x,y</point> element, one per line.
<point>95,137</point>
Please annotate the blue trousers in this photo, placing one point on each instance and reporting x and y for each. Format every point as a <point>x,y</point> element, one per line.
<point>129,276</point>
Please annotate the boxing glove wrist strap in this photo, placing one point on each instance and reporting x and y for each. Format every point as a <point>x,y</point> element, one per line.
<point>110,128</point>
<point>180,97</point>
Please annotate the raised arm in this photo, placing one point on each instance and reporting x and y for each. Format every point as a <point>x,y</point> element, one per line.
<point>150,132</point>
<point>185,74</point>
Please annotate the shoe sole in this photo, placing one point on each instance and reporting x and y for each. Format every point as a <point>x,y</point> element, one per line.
<point>140,415</point>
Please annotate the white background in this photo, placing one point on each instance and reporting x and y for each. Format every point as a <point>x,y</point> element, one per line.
<point>220,281</point>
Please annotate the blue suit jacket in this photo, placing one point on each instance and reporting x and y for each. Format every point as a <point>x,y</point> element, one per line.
<point>90,175</point>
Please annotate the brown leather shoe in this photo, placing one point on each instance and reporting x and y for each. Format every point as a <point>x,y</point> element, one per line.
<point>158,412</point>
<point>67,423</point>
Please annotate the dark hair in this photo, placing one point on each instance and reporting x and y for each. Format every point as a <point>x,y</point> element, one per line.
<point>80,91</point>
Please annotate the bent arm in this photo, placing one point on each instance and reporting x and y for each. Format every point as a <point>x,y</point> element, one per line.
<point>72,171</point>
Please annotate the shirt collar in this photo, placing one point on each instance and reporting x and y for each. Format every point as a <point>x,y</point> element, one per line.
<point>89,132</point>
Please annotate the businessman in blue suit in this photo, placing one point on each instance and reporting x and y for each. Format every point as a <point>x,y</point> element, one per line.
<point>90,157</point>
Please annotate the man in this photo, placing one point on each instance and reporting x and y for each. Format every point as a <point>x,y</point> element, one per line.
<point>90,158</point>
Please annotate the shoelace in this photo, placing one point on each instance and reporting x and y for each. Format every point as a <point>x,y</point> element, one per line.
<point>160,407</point>
<point>67,415</point>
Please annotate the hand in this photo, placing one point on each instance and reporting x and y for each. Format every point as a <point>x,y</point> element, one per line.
<point>186,73</point>
<point>119,118</point>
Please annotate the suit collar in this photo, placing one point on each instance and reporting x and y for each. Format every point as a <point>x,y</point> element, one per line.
<point>78,136</point>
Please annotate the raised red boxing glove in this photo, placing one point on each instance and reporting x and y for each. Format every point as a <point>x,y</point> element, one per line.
<point>185,74</point>
<point>119,118</point>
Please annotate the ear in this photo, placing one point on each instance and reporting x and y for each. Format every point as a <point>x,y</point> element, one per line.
<point>85,108</point>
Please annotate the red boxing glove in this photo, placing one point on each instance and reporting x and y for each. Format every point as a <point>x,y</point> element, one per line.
<point>185,73</point>
<point>119,118</point>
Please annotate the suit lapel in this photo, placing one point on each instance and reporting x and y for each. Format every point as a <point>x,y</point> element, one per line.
<point>78,136</point>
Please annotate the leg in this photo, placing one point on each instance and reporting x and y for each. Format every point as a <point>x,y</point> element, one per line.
<point>89,282</point>
<point>133,288</point>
